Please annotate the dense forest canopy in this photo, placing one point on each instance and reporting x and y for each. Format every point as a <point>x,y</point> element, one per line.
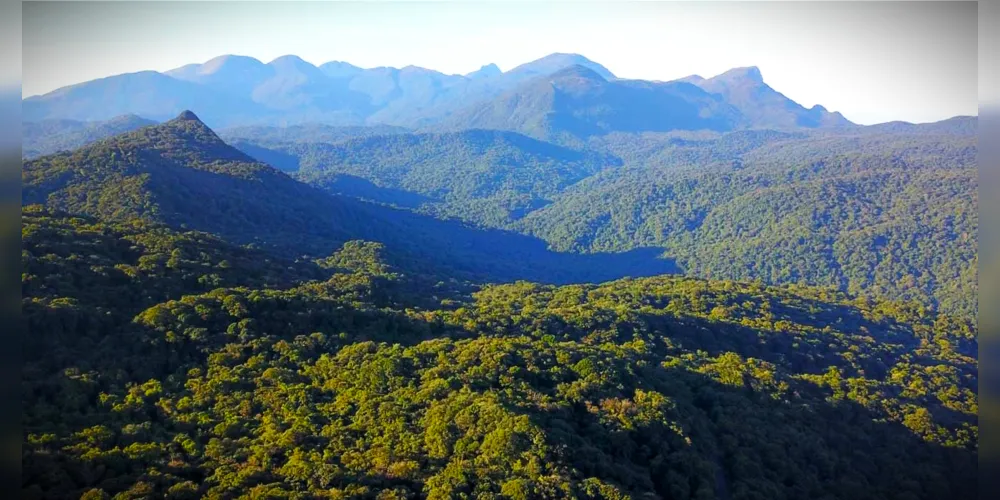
<point>175,364</point>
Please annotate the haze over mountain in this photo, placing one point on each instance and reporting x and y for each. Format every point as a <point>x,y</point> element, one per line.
<point>236,90</point>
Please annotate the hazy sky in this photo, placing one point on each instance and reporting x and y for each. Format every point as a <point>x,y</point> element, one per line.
<point>874,62</point>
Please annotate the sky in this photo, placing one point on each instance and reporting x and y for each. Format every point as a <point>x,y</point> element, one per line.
<point>874,62</point>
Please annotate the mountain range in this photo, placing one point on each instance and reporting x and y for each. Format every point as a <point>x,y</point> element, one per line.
<point>561,94</point>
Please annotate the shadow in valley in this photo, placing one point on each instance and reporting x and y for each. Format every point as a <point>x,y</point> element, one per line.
<point>454,248</point>
<point>361,188</point>
<point>276,158</point>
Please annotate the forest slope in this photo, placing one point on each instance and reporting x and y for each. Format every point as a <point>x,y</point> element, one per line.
<point>339,387</point>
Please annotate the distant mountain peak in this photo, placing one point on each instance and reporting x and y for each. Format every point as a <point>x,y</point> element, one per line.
<point>560,60</point>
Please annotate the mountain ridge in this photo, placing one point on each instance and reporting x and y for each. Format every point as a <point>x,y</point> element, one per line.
<point>235,90</point>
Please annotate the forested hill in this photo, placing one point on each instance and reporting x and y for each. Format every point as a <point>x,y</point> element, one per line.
<point>182,174</point>
<point>165,364</point>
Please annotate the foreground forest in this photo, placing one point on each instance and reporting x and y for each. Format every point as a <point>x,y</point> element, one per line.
<point>173,364</point>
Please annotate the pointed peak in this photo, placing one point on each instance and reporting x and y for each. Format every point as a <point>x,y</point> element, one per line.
<point>186,120</point>
<point>187,116</point>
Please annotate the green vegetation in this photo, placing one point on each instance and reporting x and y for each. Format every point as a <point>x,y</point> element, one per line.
<point>175,365</point>
<point>486,177</point>
<point>887,213</point>
<point>180,173</point>
<point>202,325</point>
<point>891,216</point>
